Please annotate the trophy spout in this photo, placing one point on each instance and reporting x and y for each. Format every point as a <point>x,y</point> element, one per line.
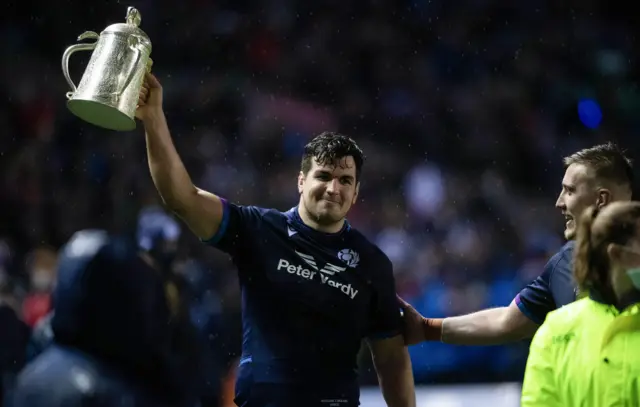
<point>73,49</point>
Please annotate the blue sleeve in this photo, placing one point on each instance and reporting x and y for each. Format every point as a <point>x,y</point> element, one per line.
<point>536,300</point>
<point>238,224</point>
<point>386,320</point>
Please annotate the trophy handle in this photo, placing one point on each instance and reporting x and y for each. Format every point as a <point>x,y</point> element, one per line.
<point>71,50</point>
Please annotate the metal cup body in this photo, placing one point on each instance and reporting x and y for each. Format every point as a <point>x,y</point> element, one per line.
<point>107,95</point>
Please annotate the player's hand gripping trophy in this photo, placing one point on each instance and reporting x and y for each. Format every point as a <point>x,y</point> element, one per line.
<point>149,99</point>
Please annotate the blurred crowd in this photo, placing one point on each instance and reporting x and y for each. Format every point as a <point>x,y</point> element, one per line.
<point>464,110</point>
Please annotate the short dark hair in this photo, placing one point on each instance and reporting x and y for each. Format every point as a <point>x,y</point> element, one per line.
<point>608,161</point>
<point>327,148</point>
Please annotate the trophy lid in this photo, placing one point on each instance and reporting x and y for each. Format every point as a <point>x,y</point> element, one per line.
<point>131,26</point>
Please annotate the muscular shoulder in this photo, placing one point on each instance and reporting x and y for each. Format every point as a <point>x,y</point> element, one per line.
<point>563,258</point>
<point>251,214</point>
<point>271,214</point>
<point>367,251</point>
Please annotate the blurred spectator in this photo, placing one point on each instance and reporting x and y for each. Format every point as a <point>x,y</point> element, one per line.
<point>41,267</point>
<point>123,353</point>
<point>157,235</point>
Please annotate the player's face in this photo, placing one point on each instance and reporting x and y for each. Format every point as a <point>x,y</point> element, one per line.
<point>578,193</point>
<point>329,191</point>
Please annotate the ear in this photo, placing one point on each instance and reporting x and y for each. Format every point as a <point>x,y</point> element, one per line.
<point>604,198</point>
<point>301,179</point>
<point>355,195</point>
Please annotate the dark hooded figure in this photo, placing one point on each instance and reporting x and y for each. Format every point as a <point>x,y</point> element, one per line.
<point>158,234</point>
<point>14,334</point>
<point>112,334</point>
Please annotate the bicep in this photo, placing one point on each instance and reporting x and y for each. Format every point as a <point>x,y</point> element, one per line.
<point>539,388</point>
<point>203,214</point>
<point>517,322</point>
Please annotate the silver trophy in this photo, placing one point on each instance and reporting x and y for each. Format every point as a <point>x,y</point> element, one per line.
<point>107,95</point>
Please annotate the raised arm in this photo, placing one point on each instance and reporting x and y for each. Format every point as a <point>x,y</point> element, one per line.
<point>202,211</point>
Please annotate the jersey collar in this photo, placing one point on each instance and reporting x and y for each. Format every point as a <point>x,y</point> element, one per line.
<point>295,215</point>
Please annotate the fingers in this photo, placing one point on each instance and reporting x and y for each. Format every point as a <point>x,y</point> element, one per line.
<point>151,80</point>
<point>143,95</point>
<point>150,94</point>
<point>402,302</point>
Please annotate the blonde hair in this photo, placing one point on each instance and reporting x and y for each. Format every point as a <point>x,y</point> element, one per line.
<point>608,161</point>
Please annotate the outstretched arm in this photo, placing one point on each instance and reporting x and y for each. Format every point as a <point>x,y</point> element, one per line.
<point>486,327</point>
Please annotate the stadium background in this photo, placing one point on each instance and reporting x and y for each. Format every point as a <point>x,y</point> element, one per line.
<point>463,108</point>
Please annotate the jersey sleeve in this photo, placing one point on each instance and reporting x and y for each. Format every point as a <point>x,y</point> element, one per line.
<point>536,300</point>
<point>386,320</point>
<point>539,388</point>
<point>238,224</point>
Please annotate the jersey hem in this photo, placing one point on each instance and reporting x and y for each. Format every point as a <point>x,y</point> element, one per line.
<point>527,313</point>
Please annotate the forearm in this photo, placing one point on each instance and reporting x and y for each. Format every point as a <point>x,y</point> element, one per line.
<point>167,170</point>
<point>485,327</point>
<point>396,382</point>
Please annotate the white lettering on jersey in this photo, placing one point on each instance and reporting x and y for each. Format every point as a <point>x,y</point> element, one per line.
<point>310,274</point>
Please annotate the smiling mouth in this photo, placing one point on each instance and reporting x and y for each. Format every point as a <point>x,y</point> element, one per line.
<point>568,219</point>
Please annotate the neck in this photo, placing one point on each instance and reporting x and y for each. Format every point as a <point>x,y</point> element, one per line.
<point>310,221</point>
<point>623,288</point>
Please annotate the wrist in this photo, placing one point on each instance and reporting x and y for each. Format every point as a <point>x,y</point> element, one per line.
<point>432,329</point>
<point>154,118</point>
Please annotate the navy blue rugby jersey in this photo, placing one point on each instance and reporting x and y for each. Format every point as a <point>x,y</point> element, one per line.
<point>308,298</point>
<point>554,288</point>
